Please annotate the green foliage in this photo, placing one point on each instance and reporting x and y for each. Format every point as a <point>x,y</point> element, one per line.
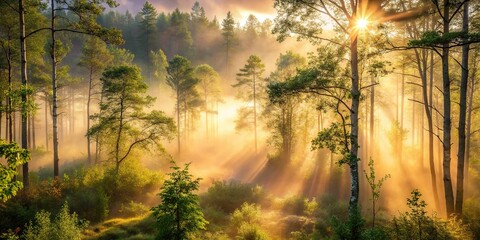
<point>282,116</point>
<point>247,213</point>
<point>396,135</point>
<point>297,18</point>
<point>332,138</point>
<point>105,192</point>
<point>83,19</point>
<point>133,209</point>
<point>416,224</point>
<point>95,56</point>
<point>15,157</point>
<point>159,65</point>
<point>122,116</point>
<point>250,78</point>
<point>350,229</point>
<point>246,221</point>
<point>209,82</point>
<point>148,18</point>
<point>228,31</point>
<point>299,205</point>
<point>228,196</point>
<point>472,215</point>
<point>183,82</point>
<point>437,39</point>
<point>251,87</point>
<point>179,215</point>
<point>375,187</point>
<point>251,232</point>
<point>121,56</point>
<point>65,226</point>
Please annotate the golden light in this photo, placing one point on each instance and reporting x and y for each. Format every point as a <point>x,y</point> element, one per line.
<point>362,23</point>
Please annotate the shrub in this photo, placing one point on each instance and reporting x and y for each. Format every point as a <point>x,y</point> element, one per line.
<point>248,213</point>
<point>179,216</point>
<point>228,196</point>
<point>251,232</point>
<point>471,213</point>
<point>246,222</point>
<point>299,205</point>
<point>133,209</point>
<point>416,224</point>
<point>65,226</point>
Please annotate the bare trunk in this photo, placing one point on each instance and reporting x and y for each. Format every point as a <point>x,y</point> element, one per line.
<point>447,122</point>
<point>422,62</point>
<point>401,112</point>
<point>255,108</point>
<point>23,61</point>
<point>206,115</point>
<point>462,117</point>
<point>471,90</point>
<point>353,161</point>
<point>372,117</point>
<point>413,115</point>
<point>54,100</point>
<point>46,122</point>
<point>118,139</point>
<point>89,98</point>
<point>178,122</point>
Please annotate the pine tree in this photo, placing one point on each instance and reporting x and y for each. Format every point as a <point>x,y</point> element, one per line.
<point>181,80</point>
<point>179,216</point>
<point>251,83</point>
<point>229,38</point>
<point>122,114</point>
<point>95,57</point>
<point>148,26</point>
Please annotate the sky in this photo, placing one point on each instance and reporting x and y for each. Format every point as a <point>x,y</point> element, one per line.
<point>240,9</point>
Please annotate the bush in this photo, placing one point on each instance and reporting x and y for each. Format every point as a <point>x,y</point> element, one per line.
<point>228,196</point>
<point>299,205</point>
<point>416,224</point>
<point>65,226</point>
<point>248,213</point>
<point>179,215</point>
<point>133,209</point>
<point>251,232</point>
<point>245,223</point>
<point>92,192</point>
<point>471,213</point>
<point>91,204</point>
<point>97,192</point>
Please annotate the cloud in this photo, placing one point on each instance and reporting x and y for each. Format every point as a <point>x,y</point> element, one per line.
<point>212,8</point>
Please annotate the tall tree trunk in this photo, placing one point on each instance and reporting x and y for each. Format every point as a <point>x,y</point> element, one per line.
<point>54,91</point>
<point>255,107</point>
<point>118,139</point>
<point>401,111</point>
<point>72,107</point>
<point>372,117</point>
<point>471,90</point>
<point>447,121</point>
<point>23,62</point>
<point>46,121</point>
<point>462,117</point>
<point>206,114</point>
<point>32,129</point>
<point>413,115</point>
<point>353,161</point>
<point>89,99</point>
<point>178,121</point>
<point>422,63</point>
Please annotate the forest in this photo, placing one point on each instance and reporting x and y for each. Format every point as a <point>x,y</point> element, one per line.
<point>247,120</point>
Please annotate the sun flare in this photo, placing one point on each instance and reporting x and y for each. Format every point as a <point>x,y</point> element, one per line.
<point>362,23</point>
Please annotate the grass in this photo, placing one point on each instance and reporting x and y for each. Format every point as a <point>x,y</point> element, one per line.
<point>138,228</point>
